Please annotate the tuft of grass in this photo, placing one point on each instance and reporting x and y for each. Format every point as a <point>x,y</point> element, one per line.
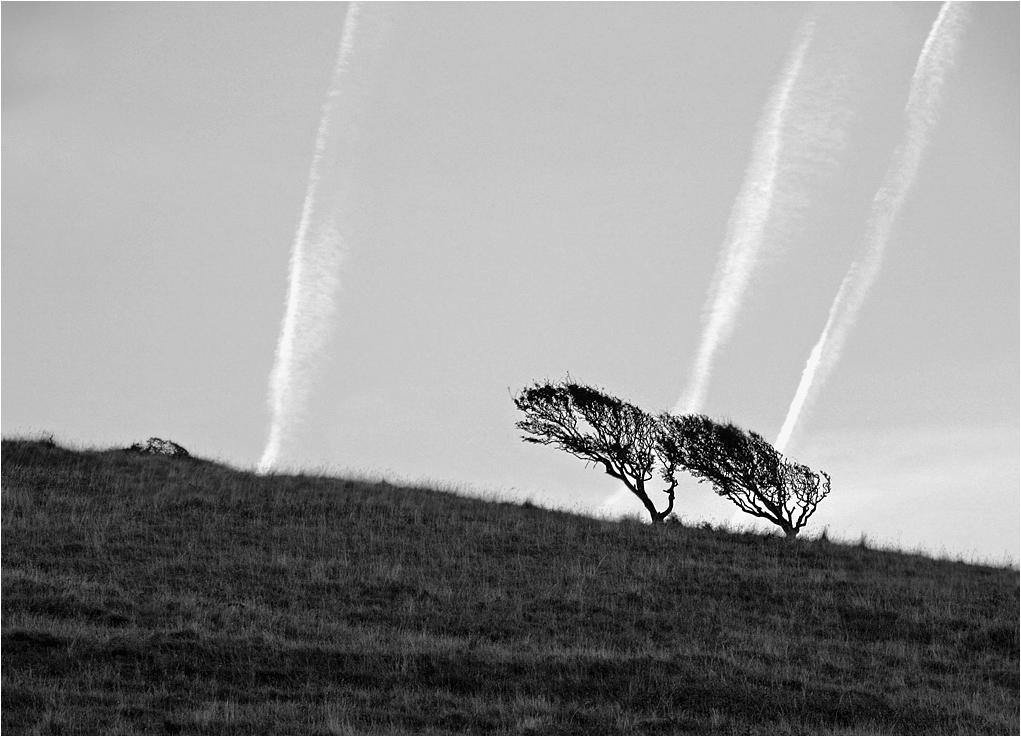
<point>150,595</point>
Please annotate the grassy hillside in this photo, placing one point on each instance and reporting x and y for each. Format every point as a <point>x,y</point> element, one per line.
<point>152,595</point>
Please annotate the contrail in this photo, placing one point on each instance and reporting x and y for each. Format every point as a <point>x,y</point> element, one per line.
<point>316,256</point>
<point>815,136</point>
<point>748,220</point>
<point>933,64</point>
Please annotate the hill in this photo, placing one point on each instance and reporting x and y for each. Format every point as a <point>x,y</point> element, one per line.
<point>144,594</point>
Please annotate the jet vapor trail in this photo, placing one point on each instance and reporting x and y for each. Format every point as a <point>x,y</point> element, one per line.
<point>933,64</point>
<point>815,137</point>
<point>316,256</point>
<point>748,220</point>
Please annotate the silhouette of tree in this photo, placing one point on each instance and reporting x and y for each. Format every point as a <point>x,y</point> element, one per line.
<point>744,468</point>
<point>602,430</point>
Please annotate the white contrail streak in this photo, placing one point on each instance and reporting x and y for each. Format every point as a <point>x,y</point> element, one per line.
<point>749,217</point>
<point>316,255</point>
<point>745,230</point>
<point>920,113</point>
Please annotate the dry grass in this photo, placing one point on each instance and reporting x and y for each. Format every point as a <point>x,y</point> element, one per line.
<point>150,595</point>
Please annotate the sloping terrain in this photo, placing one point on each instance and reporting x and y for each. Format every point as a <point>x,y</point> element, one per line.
<point>144,594</point>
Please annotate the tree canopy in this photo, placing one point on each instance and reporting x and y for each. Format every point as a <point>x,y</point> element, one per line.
<point>633,446</point>
<point>744,468</point>
<point>603,430</point>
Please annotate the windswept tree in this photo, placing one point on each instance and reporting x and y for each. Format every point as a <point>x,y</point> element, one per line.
<point>602,430</point>
<point>744,468</point>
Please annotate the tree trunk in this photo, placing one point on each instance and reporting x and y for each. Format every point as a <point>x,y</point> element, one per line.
<point>639,491</point>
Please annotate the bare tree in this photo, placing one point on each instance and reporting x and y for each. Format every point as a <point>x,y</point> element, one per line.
<point>744,468</point>
<point>602,430</point>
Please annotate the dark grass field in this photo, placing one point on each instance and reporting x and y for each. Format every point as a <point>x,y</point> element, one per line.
<point>151,595</point>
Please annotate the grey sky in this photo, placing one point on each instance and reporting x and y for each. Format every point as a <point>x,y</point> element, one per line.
<point>534,189</point>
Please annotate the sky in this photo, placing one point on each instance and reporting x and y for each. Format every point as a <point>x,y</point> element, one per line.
<point>520,191</point>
